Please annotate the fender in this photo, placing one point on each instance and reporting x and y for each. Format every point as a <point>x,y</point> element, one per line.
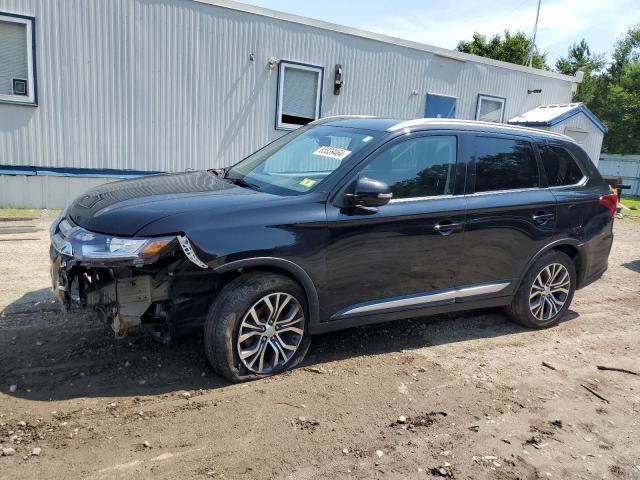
<point>294,269</point>
<point>563,241</point>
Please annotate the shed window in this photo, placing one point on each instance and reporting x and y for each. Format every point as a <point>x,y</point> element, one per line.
<point>299,95</point>
<point>490,109</point>
<point>17,68</point>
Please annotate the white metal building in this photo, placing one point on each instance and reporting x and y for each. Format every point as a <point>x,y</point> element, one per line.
<point>98,89</point>
<point>572,119</point>
<point>626,167</point>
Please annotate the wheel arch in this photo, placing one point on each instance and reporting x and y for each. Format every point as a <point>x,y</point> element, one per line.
<point>570,247</point>
<point>287,267</point>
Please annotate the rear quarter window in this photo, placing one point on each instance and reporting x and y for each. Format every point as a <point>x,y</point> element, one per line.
<point>559,165</point>
<point>504,164</point>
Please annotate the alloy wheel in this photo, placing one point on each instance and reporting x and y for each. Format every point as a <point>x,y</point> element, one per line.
<point>549,291</point>
<point>270,332</point>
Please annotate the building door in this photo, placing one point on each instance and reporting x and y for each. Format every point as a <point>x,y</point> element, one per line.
<point>440,106</point>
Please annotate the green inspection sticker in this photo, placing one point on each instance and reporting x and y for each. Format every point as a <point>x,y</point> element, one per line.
<point>308,182</point>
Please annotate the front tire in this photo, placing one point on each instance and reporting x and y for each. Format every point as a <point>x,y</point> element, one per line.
<point>257,327</point>
<point>545,293</point>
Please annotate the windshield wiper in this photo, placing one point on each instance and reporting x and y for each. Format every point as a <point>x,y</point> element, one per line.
<point>241,182</point>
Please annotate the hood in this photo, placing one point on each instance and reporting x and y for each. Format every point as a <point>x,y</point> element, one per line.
<point>125,207</point>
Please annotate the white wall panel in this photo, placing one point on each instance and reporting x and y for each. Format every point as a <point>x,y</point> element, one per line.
<point>594,137</point>
<point>625,166</point>
<point>168,84</point>
<point>23,191</point>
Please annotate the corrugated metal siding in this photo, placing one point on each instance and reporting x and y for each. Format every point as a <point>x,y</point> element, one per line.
<point>593,143</point>
<point>168,85</point>
<point>30,191</point>
<point>625,166</point>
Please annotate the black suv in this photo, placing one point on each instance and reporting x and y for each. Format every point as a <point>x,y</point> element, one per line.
<point>345,222</point>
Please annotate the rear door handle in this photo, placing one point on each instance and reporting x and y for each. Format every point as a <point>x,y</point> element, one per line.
<point>542,217</point>
<point>447,227</point>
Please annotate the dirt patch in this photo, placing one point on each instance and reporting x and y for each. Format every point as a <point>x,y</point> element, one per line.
<point>99,408</point>
<point>418,421</point>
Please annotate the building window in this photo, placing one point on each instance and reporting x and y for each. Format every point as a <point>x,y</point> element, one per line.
<point>17,60</point>
<point>299,95</point>
<point>440,106</point>
<point>490,108</point>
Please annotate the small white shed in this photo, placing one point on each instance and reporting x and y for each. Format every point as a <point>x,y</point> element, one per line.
<point>572,119</point>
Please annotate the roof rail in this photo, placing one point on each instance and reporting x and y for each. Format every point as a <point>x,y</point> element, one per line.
<point>341,117</point>
<point>416,122</point>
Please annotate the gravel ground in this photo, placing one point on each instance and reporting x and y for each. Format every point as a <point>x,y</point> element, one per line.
<point>456,396</point>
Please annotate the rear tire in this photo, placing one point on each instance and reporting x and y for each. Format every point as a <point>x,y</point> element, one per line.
<point>545,293</point>
<point>270,313</point>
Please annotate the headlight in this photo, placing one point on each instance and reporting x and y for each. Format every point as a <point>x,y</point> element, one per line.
<point>83,244</point>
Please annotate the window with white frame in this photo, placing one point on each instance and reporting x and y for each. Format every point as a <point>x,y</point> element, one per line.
<point>299,95</point>
<point>17,62</point>
<point>490,108</point>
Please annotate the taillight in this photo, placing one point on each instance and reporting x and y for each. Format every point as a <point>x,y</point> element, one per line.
<point>610,202</point>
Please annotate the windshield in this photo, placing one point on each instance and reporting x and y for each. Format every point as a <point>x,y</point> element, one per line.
<point>299,161</point>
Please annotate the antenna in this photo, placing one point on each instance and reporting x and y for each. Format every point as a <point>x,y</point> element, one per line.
<point>535,32</point>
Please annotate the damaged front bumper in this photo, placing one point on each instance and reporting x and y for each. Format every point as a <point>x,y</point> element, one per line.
<point>159,283</point>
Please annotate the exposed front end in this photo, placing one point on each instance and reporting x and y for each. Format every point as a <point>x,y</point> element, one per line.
<point>158,284</point>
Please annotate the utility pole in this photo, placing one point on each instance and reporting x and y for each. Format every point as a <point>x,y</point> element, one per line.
<point>535,32</point>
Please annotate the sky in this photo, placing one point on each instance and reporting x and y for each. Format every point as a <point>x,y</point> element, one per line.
<point>444,23</point>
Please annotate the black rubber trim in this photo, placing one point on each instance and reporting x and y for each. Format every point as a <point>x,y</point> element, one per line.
<point>294,269</point>
<point>557,243</point>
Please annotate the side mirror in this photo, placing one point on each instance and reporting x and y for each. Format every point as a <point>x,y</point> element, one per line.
<point>369,193</point>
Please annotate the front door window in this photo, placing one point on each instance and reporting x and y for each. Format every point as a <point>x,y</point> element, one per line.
<point>420,167</point>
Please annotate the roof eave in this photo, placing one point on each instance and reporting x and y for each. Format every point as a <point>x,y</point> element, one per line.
<point>356,32</point>
<point>529,124</point>
<point>581,108</point>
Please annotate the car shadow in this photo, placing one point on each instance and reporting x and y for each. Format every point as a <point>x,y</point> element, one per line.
<point>634,265</point>
<point>48,354</point>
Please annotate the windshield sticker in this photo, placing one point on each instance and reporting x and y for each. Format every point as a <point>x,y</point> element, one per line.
<point>332,152</point>
<point>366,139</point>
<point>308,182</point>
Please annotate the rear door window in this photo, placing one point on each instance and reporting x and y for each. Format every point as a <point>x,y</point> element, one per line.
<point>504,164</point>
<point>559,165</point>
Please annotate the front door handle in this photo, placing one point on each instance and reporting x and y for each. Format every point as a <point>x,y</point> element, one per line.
<point>447,227</point>
<point>542,217</point>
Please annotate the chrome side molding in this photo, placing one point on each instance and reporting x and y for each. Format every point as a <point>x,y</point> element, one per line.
<point>422,299</point>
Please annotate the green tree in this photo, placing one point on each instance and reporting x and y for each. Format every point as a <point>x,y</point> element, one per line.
<point>513,48</point>
<point>613,94</point>
<point>580,58</point>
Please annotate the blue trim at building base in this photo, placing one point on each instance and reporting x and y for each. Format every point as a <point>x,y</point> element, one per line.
<point>73,172</point>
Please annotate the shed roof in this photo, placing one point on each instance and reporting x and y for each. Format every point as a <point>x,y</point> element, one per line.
<point>550,115</point>
<point>438,51</point>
